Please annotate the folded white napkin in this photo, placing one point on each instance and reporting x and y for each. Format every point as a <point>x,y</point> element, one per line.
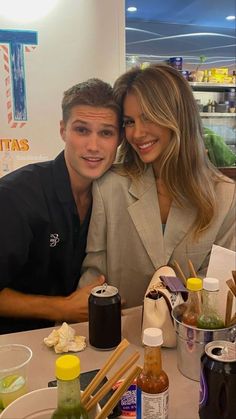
<point>65,340</point>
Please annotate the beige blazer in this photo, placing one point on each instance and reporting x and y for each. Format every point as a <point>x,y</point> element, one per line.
<point>126,241</point>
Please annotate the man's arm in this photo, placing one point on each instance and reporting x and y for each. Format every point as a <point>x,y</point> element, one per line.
<point>73,308</point>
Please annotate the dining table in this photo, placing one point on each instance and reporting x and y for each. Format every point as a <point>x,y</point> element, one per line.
<point>183,392</point>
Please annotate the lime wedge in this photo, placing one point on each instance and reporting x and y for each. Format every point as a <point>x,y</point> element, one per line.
<point>9,380</point>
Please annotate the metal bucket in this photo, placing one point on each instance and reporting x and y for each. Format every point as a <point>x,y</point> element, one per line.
<point>191,343</point>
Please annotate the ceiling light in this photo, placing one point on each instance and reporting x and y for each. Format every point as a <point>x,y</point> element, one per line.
<point>230,18</point>
<point>132,9</point>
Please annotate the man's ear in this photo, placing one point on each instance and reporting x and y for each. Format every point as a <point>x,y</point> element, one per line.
<point>62,129</point>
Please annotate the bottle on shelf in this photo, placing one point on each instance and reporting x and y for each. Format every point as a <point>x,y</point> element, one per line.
<point>234,77</point>
<point>205,77</point>
<point>226,106</point>
<point>153,382</point>
<point>193,303</point>
<point>209,106</point>
<point>68,389</point>
<point>210,317</point>
<point>213,106</point>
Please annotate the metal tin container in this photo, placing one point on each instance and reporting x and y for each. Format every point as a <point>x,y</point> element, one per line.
<point>218,381</point>
<point>176,62</point>
<point>191,343</point>
<point>104,317</point>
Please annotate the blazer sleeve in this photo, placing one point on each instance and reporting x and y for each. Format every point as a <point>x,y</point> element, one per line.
<point>226,235</point>
<point>95,262</point>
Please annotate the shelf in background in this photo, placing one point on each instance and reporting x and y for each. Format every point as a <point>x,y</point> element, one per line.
<point>218,114</point>
<point>212,86</point>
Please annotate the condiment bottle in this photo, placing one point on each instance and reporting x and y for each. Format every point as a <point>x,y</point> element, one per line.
<point>209,106</point>
<point>68,389</point>
<point>210,317</point>
<point>152,383</point>
<point>193,303</point>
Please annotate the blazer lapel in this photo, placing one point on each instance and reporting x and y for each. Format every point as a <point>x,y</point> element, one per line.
<point>145,215</point>
<point>178,225</point>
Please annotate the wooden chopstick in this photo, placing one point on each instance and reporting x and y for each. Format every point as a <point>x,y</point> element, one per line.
<point>108,385</point>
<point>232,286</point>
<point>180,272</point>
<point>106,410</point>
<point>102,372</point>
<point>191,269</point>
<point>234,276</point>
<point>233,320</point>
<point>229,305</point>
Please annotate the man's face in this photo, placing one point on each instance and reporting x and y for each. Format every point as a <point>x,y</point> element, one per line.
<point>91,137</point>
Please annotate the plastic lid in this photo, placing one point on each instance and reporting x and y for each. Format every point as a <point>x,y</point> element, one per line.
<point>211,284</point>
<point>152,336</point>
<point>194,284</point>
<point>67,367</point>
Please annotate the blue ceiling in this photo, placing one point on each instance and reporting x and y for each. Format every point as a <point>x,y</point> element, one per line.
<point>188,28</point>
<point>211,13</point>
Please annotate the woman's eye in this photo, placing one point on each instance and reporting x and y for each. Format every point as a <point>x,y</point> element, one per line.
<point>128,123</point>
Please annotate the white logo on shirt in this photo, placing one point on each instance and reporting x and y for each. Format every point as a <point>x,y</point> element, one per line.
<point>54,239</point>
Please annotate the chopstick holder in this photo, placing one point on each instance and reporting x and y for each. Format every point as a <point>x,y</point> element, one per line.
<point>108,385</point>
<point>102,372</point>
<point>118,393</point>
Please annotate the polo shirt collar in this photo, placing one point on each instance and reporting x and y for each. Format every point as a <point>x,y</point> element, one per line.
<point>62,179</point>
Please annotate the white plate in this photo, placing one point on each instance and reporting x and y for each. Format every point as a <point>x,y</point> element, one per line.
<point>38,404</point>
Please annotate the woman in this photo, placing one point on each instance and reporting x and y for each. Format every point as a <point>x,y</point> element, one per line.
<point>164,201</point>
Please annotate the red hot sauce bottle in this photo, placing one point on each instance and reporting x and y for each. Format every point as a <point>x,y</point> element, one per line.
<point>193,303</point>
<point>152,383</point>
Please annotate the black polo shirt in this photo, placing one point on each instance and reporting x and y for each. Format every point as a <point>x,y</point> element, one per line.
<point>42,244</point>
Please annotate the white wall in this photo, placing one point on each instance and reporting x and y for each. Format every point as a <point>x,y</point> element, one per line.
<point>77,40</point>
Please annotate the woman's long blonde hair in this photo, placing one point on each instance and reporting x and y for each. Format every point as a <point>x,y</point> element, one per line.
<point>166,98</point>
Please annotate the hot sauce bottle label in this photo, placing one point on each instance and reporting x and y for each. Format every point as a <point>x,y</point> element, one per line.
<point>203,390</point>
<point>152,406</point>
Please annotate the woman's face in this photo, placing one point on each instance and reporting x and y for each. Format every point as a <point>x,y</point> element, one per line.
<point>147,138</point>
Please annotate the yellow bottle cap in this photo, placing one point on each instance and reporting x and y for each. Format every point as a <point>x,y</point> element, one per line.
<point>67,367</point>
<point>194,284</point>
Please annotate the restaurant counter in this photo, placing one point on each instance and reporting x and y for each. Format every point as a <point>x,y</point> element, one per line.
<point>183,392</point>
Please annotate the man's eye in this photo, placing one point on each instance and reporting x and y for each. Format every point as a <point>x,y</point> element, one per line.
<point>107,133</point>
<point>81,130</point>
<point>128,123</point>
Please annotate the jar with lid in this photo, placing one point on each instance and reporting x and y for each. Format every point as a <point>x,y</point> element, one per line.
<point>193,304</point>
<point>68,389</point>
<point>152,382</point>
<point>210,317</point>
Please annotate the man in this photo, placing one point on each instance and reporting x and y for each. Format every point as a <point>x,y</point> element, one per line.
<point>44,215</point>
